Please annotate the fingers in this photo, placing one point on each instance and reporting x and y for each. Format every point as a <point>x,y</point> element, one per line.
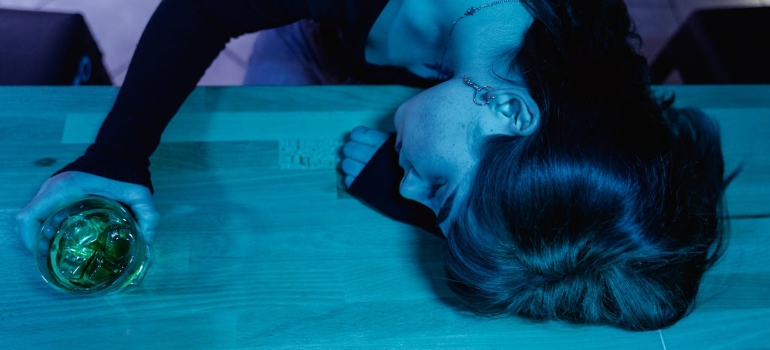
<point>69,186</point>
<point>368,136</point>
<point>27,225</point>
<point>50,197</point>
<point>147,216</point>
<point>351,168</point>
<point>363,144</point>
<point>136,197</point>
<point>355,157</point>
<point>349,181</point>
<point>358,151</point>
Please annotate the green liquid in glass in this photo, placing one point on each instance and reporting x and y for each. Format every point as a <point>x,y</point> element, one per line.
<point>90,249</point>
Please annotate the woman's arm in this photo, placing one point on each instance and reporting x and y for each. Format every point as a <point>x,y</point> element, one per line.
<point>181,40</point>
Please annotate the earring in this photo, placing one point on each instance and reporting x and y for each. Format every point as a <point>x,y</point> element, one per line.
<point>479,89</point>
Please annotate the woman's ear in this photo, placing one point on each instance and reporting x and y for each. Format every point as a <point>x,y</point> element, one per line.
<point>520,112</point>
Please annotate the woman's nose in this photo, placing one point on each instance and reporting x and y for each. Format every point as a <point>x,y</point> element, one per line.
<point>411,186</point>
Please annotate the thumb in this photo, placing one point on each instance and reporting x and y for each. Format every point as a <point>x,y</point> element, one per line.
<point>147,218</point>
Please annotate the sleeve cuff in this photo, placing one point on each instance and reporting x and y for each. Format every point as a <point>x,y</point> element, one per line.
<point>101,162</point>
<point>378,186</point>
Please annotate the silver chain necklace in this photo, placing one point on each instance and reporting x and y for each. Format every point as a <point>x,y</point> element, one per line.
<point>442,72</point>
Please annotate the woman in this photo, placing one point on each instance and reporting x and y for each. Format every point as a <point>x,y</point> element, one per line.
<point>600,205</point>
<point>524,150</point>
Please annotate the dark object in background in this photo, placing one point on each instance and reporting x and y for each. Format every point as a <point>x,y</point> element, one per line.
<point>718,46</point>
<point>47,48</point>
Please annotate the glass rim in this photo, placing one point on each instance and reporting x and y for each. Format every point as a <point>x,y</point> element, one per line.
<point>139,250</point>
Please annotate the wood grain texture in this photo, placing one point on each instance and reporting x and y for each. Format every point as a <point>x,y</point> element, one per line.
<point>259,247</point>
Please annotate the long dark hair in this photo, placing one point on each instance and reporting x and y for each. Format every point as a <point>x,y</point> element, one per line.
<point>610,212</point>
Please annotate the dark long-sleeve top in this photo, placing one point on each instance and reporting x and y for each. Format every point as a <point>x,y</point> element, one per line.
<point>179,43</point>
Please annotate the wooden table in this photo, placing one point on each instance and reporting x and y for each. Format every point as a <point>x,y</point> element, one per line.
<point>259,247</point>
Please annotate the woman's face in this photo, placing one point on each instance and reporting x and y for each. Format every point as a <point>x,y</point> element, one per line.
<point>439,134</point>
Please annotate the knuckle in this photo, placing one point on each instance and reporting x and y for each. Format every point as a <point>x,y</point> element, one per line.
<point>352,167</point>
<point>153,216</point>
<point>21,219</point>
<point>359,132</point>
<point>151,223</point>
<point>346,165</point>
<point>349,148</point>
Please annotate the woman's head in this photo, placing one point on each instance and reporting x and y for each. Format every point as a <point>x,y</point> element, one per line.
<point>583,232</point>
<point>441,132</point>
<point>607,210</point>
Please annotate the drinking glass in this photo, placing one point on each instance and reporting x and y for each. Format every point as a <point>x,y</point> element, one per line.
<point>91,246</point>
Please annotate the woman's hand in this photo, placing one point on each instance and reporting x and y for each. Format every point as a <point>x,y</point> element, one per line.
<point>357,151</point>
<point>68,186</point>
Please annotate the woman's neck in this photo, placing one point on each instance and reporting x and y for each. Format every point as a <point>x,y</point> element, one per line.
<point>483,43</point>
<point>432,38</point>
